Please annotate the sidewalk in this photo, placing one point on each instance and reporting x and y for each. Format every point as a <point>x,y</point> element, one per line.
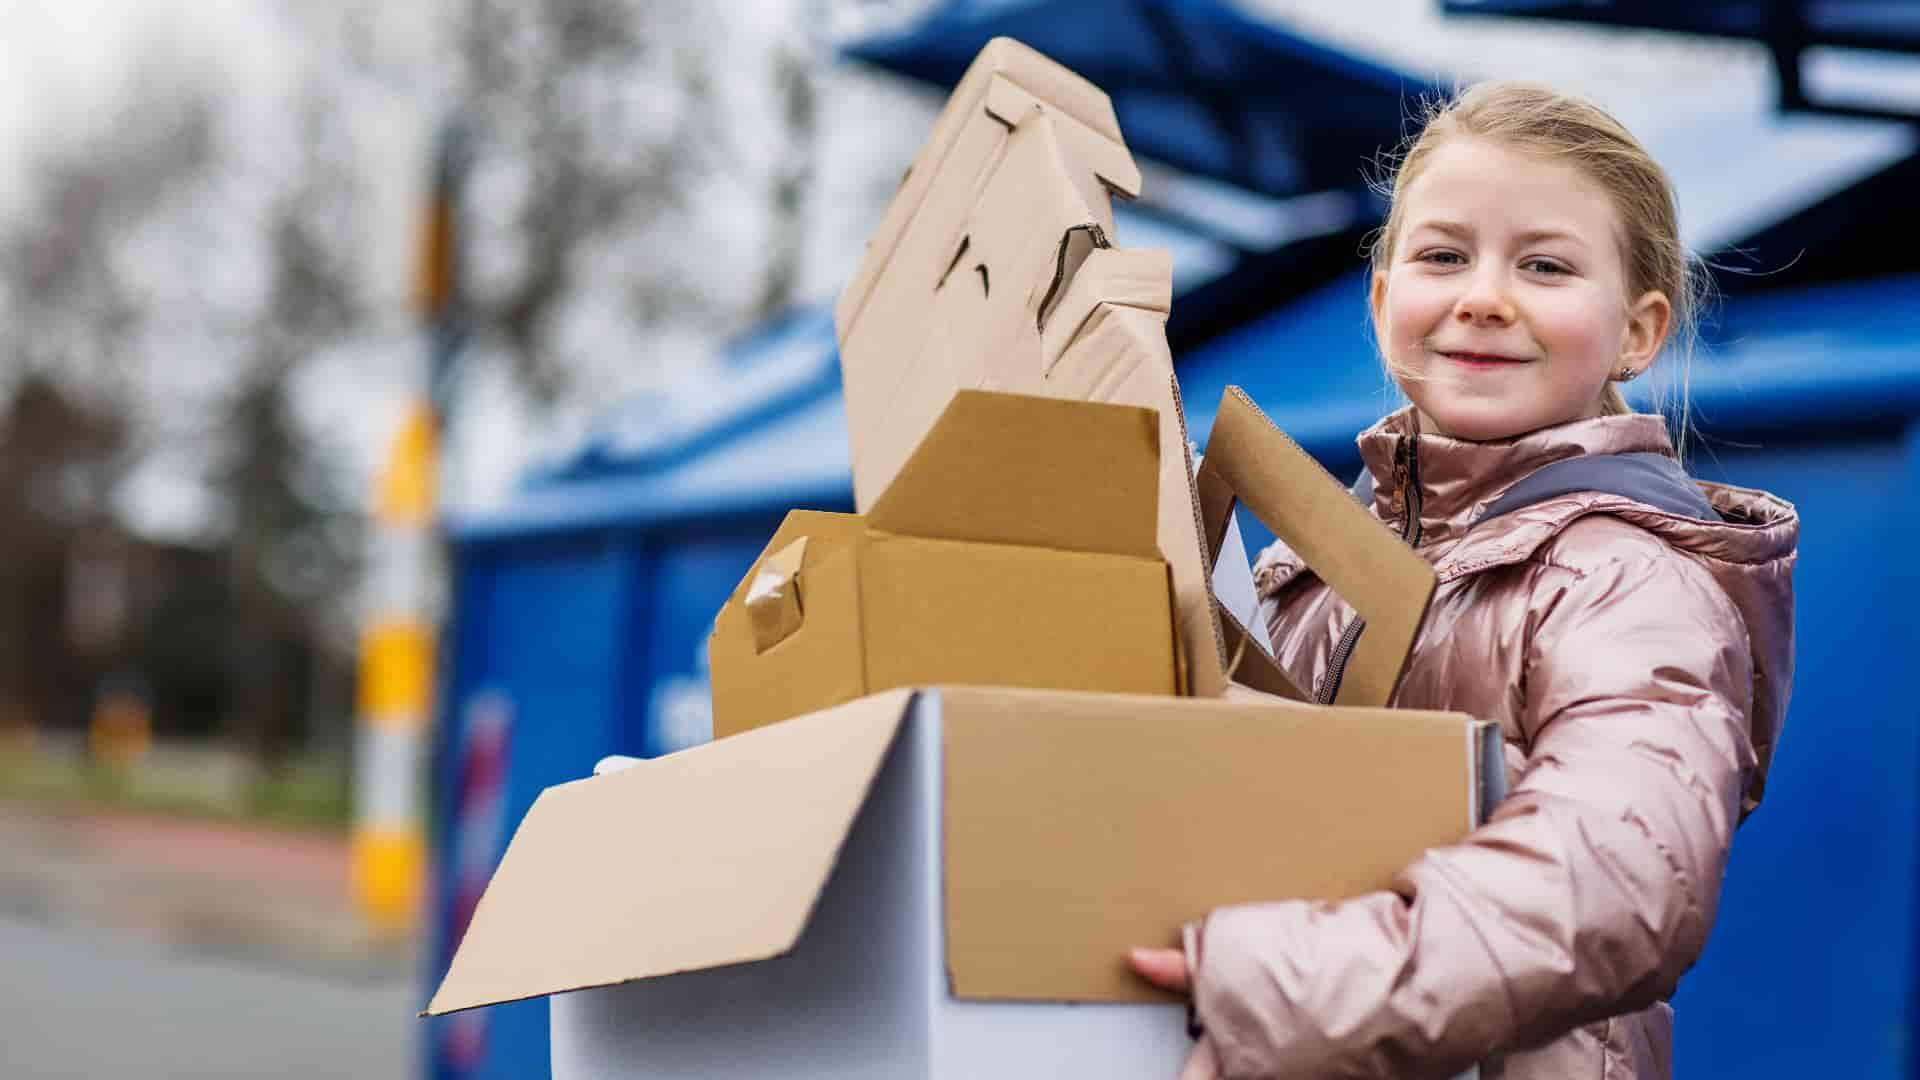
<point>259,894</point>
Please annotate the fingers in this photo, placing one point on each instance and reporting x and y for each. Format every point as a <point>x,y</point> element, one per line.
<point>1165,968</point>
<point>1203,1063</point>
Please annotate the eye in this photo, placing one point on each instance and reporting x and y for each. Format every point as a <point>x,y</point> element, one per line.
<point>1442,257</point>
<point>1544,266</point>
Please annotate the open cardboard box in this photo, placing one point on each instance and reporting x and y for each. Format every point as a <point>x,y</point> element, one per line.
<point>918,590</point>
<point>914,883</point>
<point>940,882</point>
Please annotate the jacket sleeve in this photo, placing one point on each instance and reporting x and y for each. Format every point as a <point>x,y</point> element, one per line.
<point>1587,894</point>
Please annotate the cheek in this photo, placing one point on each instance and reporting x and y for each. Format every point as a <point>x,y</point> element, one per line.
<point>1579,326</point>
<point>1412,309</point>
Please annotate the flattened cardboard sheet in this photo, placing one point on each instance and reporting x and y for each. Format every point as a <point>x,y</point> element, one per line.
<point>1004,278</point>
<point>1249,459</point>
<point>1077,825</point>
<point>710,856</point>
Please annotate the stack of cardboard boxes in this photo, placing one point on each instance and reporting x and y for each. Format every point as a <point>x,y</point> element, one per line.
<point>976,740</point>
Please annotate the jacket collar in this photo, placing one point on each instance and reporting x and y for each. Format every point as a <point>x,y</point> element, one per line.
<point>1452,481</point>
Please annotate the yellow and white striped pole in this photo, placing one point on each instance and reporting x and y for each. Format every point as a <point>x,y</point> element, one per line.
<point>396,685</point>
<point>401,614</point>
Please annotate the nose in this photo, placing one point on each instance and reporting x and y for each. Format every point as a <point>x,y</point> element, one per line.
<point>1486,300</point>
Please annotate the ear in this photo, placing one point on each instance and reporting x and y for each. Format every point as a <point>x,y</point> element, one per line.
<point>1647,323</point>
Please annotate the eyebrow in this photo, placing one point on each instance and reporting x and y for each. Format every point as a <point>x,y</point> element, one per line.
<point>1531,236</point>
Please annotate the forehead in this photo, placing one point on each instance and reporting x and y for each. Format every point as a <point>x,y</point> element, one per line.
<point>1487,185</point>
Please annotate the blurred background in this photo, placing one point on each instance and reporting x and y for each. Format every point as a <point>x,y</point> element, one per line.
<point>390,394</point>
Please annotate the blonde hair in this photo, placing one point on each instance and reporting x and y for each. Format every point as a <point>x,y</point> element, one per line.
<point>1538,119</point>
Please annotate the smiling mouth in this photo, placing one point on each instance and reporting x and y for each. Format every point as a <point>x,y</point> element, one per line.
<point>1482,359</point>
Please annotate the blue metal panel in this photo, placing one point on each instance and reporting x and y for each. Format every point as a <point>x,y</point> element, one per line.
<point>694,572</point>
<point>540,637</point>
<point>1809,970</point>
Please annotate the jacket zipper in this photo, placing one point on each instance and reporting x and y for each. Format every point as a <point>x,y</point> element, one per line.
<point>1410,532</point>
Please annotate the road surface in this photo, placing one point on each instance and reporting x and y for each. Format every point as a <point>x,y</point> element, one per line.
<point>78,1004</point>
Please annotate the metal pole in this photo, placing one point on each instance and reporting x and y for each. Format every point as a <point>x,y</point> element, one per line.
<point>400,619</point>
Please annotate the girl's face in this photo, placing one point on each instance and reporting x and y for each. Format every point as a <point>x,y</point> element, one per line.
<point>1504,307</point>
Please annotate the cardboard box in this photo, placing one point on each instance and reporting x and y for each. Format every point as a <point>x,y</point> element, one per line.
<point>1016,547</point>
<point>884,888</point>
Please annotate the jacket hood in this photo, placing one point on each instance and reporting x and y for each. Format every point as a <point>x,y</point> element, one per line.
<point>1747,543</point>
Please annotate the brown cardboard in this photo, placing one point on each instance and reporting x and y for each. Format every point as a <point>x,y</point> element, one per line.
<point>1078,824</point>
<point>974,567</point>
<point>993,269</point>
<point>1075,825</point>
<point>1014,469</point>
<point>1250,460</point>
<point>586,897</point>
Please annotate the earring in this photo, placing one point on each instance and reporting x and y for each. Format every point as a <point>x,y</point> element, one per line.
<point>1627,373</point>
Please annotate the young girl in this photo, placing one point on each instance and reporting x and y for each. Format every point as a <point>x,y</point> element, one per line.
<point>1630,630</point>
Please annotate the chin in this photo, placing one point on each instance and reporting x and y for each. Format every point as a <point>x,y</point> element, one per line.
<point>1477,421</point>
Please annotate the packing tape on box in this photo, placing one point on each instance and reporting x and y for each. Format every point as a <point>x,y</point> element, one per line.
<point>773,598</point>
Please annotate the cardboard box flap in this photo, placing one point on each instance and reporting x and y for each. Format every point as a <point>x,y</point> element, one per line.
<point>1055,863</point>
<point>1249,459</point>
<point>1001,58</point>
<point>740,837</point>
<point>1034,471</point>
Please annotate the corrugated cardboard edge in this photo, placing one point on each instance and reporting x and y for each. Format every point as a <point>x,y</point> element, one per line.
<point>1373,570</point>
<point>583,897</point>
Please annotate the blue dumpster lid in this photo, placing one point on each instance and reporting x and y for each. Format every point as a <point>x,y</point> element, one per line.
<point>793,361</point>
<point>1862,24</point>
<point>1196,83</point>
<point>1827,358</point>
<point>772,370</point>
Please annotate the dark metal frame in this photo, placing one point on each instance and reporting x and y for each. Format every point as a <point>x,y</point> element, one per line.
<point>1784,26</point>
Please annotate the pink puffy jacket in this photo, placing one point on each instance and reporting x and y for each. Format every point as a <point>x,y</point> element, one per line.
<point>1637,656</point>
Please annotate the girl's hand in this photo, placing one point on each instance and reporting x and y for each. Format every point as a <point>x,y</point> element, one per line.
<point>1164,968</point>
<point>1203,1063</point>
<point>1167,969</point>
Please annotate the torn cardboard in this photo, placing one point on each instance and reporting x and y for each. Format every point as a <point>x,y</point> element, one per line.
<point>977,566</point>
<point>1051,861</point>
<point>994,269</point>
